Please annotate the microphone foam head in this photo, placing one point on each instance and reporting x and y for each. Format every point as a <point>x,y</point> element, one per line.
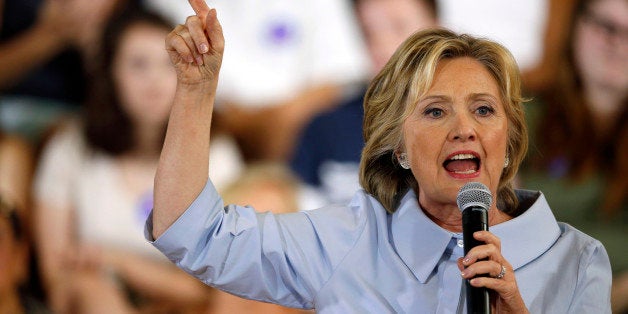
<point>474,194</point>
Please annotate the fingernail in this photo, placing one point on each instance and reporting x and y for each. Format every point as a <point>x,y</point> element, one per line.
<point>199,60</point>
<point>466,260</point>
<point>204,48</point>
<point>463,273</point>
<point>189,59</point>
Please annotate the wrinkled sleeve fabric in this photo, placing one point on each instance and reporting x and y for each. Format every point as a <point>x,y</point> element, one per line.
<point>593,289</point>
<point>283,259</point>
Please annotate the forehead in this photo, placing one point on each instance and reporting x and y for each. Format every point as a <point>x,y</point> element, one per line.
<point>463,74</point>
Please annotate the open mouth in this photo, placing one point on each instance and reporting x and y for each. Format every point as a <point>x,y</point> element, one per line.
<point>466,163</point>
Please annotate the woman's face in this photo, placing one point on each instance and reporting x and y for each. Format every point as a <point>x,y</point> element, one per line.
<point>601,45</point>
<point>457,132</point>
<point>143,74</point>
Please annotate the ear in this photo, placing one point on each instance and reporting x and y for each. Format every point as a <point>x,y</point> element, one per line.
<point>402,159</point>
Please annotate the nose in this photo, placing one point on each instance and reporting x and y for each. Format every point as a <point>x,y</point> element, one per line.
<point>462,129</point>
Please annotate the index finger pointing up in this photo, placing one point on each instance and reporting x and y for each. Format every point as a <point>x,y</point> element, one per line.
<point>200,8</point>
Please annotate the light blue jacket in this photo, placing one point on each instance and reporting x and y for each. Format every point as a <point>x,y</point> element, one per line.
<point>360,259</point>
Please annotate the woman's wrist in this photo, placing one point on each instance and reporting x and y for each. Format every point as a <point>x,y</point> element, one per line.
<point>202,94</point>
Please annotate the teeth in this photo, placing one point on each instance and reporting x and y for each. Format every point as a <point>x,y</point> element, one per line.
<point>470,171</point>
<point>462,156</point>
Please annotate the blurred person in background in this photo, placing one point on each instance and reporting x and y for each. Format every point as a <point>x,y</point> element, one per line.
<point>327,155</point>
<point>93,186</point>
<point>518,25</point>
<point>534,30</point>
<point>286,62</point>
<point>45,49</point>
<point>579,129</point>
<point>16,173</point>
<point>14,271</point>
<point>20,288</point>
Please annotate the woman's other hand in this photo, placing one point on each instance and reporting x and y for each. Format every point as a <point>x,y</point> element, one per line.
<point>487,259</point>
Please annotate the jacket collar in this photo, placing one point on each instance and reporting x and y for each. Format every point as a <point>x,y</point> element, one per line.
<point>421,243</point>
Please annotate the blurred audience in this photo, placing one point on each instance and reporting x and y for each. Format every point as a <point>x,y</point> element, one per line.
<point>16,172</point>
<point>328,152</point>
<point>542,72</point>
<point>20,289</point>
<point>518,25</point>
<point>93,186</point>
<point>268,187</point>
<point>579,155</point>
<point>15,298</point>
<point>44,48</point>
<point>535,31</point>
<point>285,61</point>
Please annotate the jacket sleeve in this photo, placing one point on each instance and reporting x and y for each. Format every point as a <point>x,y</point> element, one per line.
<point>593,289</point>
<point>282,259</point>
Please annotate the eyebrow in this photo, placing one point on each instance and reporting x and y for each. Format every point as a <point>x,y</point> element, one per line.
<point>434,97</point>
<point>447,98</point>
<point>482,95</point>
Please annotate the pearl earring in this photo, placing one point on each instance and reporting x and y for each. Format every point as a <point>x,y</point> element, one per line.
<point>506,162</point>
<point>403,161</point>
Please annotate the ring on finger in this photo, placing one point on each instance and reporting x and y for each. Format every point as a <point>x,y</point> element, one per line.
<point>501,273</point>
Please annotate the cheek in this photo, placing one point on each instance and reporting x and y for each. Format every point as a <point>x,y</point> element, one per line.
<point>496,146</point>
<point>423,148</point>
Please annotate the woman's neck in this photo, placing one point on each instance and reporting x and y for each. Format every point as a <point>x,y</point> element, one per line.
<point>449,217</point>
<point>446,218</point>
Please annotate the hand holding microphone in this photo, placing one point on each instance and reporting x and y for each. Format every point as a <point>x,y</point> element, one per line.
<point>483,266</point>
<point>474,199</point>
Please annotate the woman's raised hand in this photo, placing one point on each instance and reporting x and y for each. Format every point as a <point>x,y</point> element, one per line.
<point>196,48</point>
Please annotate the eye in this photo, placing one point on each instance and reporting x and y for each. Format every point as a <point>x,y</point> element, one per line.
<point>484,111</point>
<point>433,112</point>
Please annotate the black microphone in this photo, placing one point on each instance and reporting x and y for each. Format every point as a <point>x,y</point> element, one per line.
<point>474,200</point>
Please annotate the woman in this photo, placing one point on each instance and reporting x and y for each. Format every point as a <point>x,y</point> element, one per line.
<point>94,184</point>
<point>445,110</point>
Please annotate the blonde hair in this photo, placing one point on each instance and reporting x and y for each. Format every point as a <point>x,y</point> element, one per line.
<point>394,92</point>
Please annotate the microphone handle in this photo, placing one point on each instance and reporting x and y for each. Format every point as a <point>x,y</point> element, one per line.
<point>475,219</point>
